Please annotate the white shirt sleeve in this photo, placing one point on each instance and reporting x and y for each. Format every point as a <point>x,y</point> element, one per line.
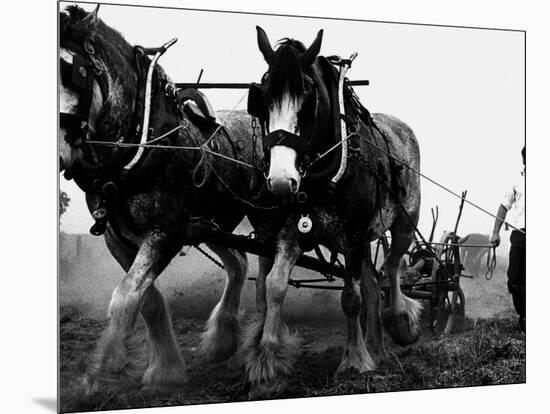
<point>509,199</point>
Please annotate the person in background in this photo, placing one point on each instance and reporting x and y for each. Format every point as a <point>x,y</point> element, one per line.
<point>513,206</point>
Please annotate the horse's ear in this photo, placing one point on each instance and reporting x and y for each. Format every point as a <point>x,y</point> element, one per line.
<point>311,53</point>
<point>93,18</point>
<point>264,45</point>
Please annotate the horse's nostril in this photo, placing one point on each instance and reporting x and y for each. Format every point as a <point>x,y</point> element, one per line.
<point>269,186</point>
<point>293,186</point>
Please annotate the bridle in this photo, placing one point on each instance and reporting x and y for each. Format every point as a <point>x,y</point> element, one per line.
<point>319,174</point>
<point>85,70</point>
<point>80,76</point>
<point>258,108</point>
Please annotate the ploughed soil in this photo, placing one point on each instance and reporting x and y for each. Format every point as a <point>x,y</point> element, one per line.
<point>485,352</point>
<point>487,349</point>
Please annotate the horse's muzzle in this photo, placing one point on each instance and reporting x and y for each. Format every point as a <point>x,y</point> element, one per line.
<point>283,187</point>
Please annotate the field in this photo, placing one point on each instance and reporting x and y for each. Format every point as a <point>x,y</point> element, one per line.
<point>487,350</point>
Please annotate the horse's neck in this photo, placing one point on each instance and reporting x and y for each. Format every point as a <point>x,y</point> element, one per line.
<point>326,125</point>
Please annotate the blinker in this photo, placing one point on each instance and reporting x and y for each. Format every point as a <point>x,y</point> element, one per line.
<point>256,104</point>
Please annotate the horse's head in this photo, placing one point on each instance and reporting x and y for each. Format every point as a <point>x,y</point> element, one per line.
<point>98,87</point>
<point>295,102</point>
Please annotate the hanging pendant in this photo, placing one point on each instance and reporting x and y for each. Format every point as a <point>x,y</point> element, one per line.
<point>305,224</point>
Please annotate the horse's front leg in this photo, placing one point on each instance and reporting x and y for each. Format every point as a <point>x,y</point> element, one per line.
<point>402,321</point>
<point>220,339</point>
<point>355,354</point>
<point>270,360</point>
<point>166,366</point>
<point>254,330</point>
<point>118,358</point>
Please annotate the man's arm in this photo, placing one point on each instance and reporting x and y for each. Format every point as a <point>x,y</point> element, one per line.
<point>501,215</point>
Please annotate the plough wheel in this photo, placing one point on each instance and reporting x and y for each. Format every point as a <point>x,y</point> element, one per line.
<point>447,306</point>
<point>456,311</point>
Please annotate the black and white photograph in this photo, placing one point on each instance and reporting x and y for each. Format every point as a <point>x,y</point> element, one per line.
<point>257,207</point>
<point>278,206</point>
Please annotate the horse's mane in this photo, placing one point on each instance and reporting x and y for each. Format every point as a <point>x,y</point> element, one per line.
<point>286,73</point>
<point>76,25</point>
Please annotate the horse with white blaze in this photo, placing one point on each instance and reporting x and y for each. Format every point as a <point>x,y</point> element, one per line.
<point>298,104</point>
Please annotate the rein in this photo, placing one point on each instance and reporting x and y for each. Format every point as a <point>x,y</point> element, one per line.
<point>203,161</point>
<point>491,262</point>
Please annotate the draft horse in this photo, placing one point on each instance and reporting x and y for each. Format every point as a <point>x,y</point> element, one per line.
<point>143,198</point>
<point>297,103</point>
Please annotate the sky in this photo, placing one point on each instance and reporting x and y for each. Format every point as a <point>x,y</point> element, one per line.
<point>460,90</point>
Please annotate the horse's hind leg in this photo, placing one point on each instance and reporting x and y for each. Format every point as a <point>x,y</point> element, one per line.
<point>356,354</point>
<point>402,320</point>
<point>166,366</point>
<point>220,339</point>
<point>270,362</point>
<point>372,308</point>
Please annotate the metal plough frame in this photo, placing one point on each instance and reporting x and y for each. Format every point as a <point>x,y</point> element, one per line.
<point>438,266</point>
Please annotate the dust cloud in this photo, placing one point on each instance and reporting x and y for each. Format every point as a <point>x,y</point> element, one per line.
<point>192,285</point>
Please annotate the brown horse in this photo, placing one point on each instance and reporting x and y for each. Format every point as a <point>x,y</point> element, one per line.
<point>143,200</point>
<point>297,102</point>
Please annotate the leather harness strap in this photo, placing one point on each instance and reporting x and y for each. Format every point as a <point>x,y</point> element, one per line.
<point>288,139</point>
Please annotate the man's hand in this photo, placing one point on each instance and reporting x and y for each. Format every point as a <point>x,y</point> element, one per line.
<point>495,239</point>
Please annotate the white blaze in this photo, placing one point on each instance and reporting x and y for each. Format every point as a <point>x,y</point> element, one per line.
<point>68,103</point>
<point>282,166</point>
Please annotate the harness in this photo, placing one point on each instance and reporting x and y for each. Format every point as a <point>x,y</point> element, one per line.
<point>257,107</point>
<point>80,76</point>
<point>147,110</point>
<point>85,69</point>
<point>348,114</point>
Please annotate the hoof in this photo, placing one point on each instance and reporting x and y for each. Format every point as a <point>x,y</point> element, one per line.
<point>402,330</point>
<point>269,364</point>
<point>168,377</point>
<point>221,337</point>
<point>94,385</point>
<point>235,363</point>
<point>356,358</point>
<point>381,357</point>
<point>265,391</point>
<point>117,364</point>
<point>404,325</point>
